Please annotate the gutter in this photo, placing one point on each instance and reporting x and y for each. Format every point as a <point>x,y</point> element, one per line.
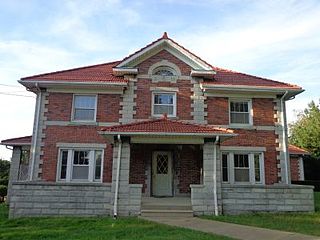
<point>285,139</point>
<point>36,129</point>
<point>115,205</point>
<point>216,212</point>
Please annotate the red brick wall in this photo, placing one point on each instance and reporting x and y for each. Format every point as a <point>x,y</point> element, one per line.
<point>60,107</point>
<point>263,111</point>
<point>190,165</point>
<point>71,134</point>
<point>144,98</point>
<point>254,138</point>
<point>294,168</point>
<point>218,110</point>
<point>108,107</point>
<point>164,55</point>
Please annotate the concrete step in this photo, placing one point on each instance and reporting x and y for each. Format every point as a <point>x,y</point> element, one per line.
<point>166,207</point>
<point>166,213</point>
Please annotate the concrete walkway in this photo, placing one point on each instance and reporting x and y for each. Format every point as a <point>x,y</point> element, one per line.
<point>229,229</point>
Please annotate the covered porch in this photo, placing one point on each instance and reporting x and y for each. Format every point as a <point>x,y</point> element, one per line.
<point>165,161</point>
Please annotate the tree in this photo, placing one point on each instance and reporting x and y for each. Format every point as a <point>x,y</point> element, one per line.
<point>305,132</point>
<point>4,169</point>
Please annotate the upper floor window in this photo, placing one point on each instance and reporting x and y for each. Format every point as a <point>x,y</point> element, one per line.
<point>164,71</point>
<point>164,103</point>
<point>242,167</point>
<point>240,112</point>
<point>84,107</point>
<point>80,165</point>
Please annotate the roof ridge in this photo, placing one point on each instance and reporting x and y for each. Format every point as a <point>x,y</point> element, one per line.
<point>299,148</point>
<point>72,69</point>
<point>251,75</point>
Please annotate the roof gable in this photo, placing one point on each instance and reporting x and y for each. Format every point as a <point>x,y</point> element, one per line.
<point>164,43</point>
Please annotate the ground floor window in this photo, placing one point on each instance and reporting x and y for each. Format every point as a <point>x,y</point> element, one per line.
<point>238,167</point>
<point>84,165</point>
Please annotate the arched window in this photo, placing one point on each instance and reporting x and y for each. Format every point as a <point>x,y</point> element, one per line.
<point>164,71</point>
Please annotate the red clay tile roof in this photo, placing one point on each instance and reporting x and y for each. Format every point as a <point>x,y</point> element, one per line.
<point>165,125</point>
<point>95,73</point>
<point>294,150</point>
<point>104,73</point>
<point>228,77</point>
<point>17,141</point>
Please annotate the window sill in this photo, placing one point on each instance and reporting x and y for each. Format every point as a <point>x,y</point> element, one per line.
<point>74,123</point>
<point>161,116</point>
<point>241,126</point>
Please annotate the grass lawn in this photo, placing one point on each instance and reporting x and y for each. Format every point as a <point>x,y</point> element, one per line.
<point>306,223</point>
<point>91,228</point>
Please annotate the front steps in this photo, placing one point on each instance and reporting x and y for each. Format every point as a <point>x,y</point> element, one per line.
<point>166,207</point>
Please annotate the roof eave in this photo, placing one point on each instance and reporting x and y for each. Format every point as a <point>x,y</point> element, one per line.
<point>51,83</point>
<point>165,134</point>
<point>292,91</point>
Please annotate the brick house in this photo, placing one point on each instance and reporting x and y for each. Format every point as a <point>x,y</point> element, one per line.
<point>113,138</point>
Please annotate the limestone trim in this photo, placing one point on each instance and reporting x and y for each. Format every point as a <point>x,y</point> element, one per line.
<point>128,103</point>
<point>80,145</point>
<point>72,123</point>
<point>198,104</point>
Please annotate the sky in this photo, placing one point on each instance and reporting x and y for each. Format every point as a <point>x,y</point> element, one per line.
<point>279,40</point>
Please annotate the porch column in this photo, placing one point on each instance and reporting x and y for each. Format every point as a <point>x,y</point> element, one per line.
<point>202,196</point>
<point>129,195</point>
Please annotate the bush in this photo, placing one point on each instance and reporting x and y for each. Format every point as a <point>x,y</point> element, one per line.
<point>3,192</point>
<point>4,182</point>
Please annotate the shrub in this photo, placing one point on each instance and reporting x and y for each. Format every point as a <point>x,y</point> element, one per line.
<point>4,182</point>
<point>3,192</point>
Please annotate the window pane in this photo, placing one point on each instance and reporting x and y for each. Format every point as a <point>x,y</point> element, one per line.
<point>241,118</point>
<point>98,161</point>
<point>225,176</point>
<point>81,158</point>
<point>163,99</point>
<point>241,167</point>
<point>64,161</point>
<point>80,172</point>
<point>84,114</point>
<point>85,102</point>
<point>160,109</point>
<point>241,175</point>
<point>257,172</point>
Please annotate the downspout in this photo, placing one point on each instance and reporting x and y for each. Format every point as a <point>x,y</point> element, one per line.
<point>285,140</point>
<point>35,135</point>
<point>115,205</point>
<point>215,197</point>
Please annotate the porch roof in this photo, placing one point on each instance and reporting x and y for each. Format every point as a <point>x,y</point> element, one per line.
<point>166,127</point>
<point>19,141</point>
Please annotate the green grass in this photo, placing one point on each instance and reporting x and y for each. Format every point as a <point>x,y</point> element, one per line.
<point>66,228</point>
<point>305,223</point>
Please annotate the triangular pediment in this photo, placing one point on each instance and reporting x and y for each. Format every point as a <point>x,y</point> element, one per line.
<point>169,45</point>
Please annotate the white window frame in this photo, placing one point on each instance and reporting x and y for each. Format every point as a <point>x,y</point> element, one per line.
<point>249,101</point>
<point>92,165</point>
<point>174,103</point>
<point>73,107</point>
<point>230,160</point>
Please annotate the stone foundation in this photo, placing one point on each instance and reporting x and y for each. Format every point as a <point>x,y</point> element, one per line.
<point>273,198</point>
<point>53,199</point>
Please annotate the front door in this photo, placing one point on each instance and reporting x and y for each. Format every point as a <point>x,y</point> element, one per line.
<point>162,174</point>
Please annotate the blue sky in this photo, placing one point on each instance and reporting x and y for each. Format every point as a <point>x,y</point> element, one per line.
<point>275,39</point>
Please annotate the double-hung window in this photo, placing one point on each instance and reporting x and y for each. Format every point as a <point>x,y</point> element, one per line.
<point>242,168</point>
<point>80,165</point>
<point>164,103</point>
<point>240,112</point>
<point>84,107</point>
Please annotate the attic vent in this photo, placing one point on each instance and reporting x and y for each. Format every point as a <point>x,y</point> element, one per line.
<point>164,71</point>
